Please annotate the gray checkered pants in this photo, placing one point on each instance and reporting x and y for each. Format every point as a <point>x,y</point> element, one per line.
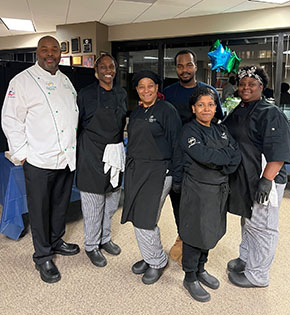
<point>98,211</point>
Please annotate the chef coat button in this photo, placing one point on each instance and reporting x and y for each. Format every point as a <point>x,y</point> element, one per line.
<point>76,110</point>
<point>56,111</point>
<point>72,147</point>
<point>38,78</point>
<point>62,131</point>
<point>76,128</point>
<point>48,93</point>
<point>65,149</point>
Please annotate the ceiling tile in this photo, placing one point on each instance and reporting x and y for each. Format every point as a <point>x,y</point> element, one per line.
<point>92,11</point>
<point>123,12</point>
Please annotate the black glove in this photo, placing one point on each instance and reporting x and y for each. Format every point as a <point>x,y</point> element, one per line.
<point>263,191</point>
<point>176,187</point>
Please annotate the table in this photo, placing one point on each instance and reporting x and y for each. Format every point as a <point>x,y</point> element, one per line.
<point>13,198</point>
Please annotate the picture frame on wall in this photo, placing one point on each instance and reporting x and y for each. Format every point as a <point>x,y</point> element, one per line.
<point>87,45</point>
<point>65,61</point>
<point>76,60</point>
<point>75,45</point>
<point>88,61</point>
<point>64,47</point>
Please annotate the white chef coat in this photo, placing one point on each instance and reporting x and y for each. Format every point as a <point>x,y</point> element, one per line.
<point>40,117</point>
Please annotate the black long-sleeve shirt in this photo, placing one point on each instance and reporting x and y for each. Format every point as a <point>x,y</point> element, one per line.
<point>165,126</point>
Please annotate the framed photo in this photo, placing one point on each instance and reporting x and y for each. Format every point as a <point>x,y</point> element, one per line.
<point>88,61</point>
<point>64,47</point>
<point>76,60</point>
<point>75,45</point>
<point>65,61</point>
<point>87,45</point>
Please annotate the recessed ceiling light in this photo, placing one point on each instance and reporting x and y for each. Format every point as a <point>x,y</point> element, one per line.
<point>271,1</point>
<point>18,24</point>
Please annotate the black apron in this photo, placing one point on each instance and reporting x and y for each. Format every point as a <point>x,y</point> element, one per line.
<point>144,177</point>
<point>203,210</point>
<point>244,182</point>
<point>100,131</point>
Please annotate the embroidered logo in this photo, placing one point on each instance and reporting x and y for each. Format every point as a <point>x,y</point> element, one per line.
<point>11,93</point>
<point>50,86</point>
<point>224,136</point>
<point>152,119</point>
<point>192,141</point>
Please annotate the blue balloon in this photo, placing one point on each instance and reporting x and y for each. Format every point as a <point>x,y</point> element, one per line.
<point>219,58</point>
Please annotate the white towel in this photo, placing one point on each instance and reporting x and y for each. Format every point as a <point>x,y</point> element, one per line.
<point>114,159</point>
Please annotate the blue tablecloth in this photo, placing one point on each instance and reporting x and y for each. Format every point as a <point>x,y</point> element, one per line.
<point>13,198</point>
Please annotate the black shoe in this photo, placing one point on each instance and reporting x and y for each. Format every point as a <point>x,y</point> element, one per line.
<point>196,291</point>
<point>48,271</point>
<point>97,258</point>
<point>67,249</point>
<point>140,267</point>
<point>236,265</point>
<point>152,275</point>
<point>208,280</point>
<point>111,248</point>
<point>240,280</point>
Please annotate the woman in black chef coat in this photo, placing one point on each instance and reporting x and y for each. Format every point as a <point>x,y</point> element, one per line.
<point>257,186</point>
<point>153,164</point>
<point>210,154</point>
<point>100,157</point>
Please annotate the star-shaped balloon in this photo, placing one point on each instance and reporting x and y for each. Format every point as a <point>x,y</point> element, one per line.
<point>215,45</point>
<point>219,58</point>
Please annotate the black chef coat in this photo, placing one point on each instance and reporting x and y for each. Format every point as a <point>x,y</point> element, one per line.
<point>153,135</point>
<point>101,122</point>
<point>210,154</point>
<point>260,128</point>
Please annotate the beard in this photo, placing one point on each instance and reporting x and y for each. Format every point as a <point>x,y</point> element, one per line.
<point>185,81</point>
<point>191,77</point>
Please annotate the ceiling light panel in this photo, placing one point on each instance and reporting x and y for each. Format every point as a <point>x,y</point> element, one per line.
<point>18,24</point>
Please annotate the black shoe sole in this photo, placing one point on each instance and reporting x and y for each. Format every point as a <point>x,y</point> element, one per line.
<point>194,296</point>
<point>47,280</point>
<point>99,265</point>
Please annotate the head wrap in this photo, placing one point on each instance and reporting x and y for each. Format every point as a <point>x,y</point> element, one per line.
<point>145,74</point>
<point>242,73</point>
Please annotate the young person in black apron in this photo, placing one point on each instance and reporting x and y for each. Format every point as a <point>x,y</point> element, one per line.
<point>100,158</point>
<point>210,154</point>
<point>178,94</point>
<point>257,186</point>
<point>153,164</point>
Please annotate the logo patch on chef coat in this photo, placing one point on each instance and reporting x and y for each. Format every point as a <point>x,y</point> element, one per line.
<point>224,136</point>
<point>11,93</point>
<point>192,141</point>
<point>152,119</point>
<point>50,86</point>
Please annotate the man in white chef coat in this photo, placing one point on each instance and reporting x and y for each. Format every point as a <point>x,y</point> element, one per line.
<point>39,119</point>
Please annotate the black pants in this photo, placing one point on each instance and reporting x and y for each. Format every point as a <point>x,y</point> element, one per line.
<point>193,261</point>
<point>175,201</point>
<point>48,194</point>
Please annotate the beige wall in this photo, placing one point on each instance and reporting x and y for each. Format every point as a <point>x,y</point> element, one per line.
<point>96,31</point>
<point>209,24</point>
<point>22,41</point>
<point>101,34</point>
